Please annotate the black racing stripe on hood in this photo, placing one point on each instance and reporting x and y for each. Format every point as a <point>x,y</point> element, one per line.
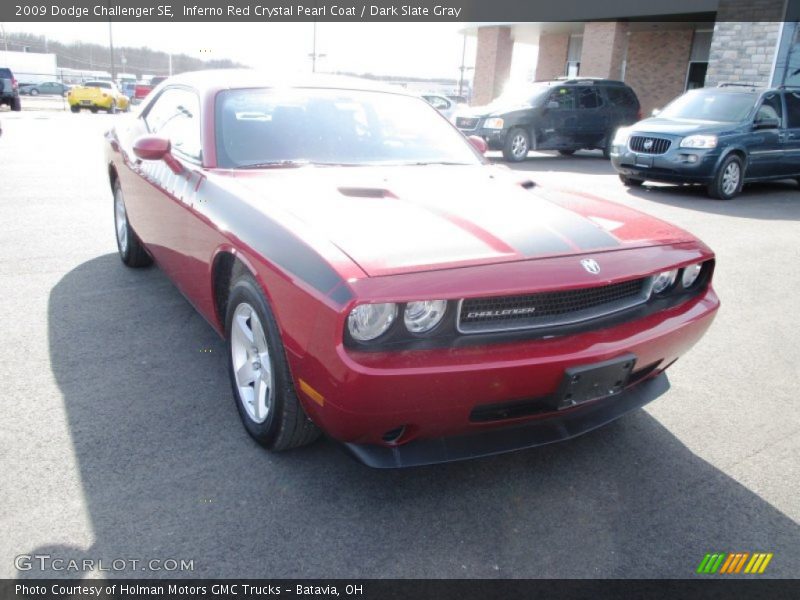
<point>277,245</point>
<point>536,242</point>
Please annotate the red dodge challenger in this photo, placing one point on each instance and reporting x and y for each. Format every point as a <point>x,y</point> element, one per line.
<point>378,280</point>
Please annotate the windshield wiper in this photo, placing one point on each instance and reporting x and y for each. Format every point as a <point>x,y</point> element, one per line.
<point>276,164</point>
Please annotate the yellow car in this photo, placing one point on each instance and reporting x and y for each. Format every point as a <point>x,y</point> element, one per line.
<point>98,95</point>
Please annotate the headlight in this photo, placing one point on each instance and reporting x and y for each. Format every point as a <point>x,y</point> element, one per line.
<point>690,274</point>
<point>664,280</point>
<point>423,316</point>
<point>621,137</point>
<point>699,141</point>
<point>368,321</point>
<point>494,123</point>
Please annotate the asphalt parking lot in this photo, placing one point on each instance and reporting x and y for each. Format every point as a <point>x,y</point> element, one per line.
<point>120,439</point>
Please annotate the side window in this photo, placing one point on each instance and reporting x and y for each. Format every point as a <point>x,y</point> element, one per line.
<point>175,115</point>
<point>620,97</point>
<point>588,97</point>
<point>770,108</point>
<point>792,109</point>
<point>563,98</point>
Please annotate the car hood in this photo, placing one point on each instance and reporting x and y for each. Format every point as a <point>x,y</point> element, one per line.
<point>404,219</point>
<point>680,127</point>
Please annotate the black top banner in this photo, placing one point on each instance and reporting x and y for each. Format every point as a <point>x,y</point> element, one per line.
<point>484,11</point>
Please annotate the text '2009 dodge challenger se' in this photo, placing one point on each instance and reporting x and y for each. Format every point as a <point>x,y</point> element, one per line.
<point>378,280</point>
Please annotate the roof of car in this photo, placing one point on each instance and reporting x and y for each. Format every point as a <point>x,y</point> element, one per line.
<point>221,79</point>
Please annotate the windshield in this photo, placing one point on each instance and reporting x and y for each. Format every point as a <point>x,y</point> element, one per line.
<point>704,105</point>
<point>527,94</point>
<point>325,126</point>
<point>100,84</point>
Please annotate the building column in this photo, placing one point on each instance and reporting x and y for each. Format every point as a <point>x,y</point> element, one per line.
<point>604,45</point>
<point>492,63</point>
<point>552,59</point>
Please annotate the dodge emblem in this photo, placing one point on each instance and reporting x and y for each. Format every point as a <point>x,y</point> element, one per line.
<point>591,265</point>
<point>647,144</point>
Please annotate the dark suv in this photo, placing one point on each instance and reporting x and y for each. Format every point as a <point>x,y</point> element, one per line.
<point>720,137</point>
<point>564,115</point>
<point>9,90</point>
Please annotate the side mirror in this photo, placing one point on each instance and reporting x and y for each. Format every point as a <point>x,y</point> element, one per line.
<point>767,123</point>
<point>656,112</point>
<point>151,147</point>
<point>478,143</point>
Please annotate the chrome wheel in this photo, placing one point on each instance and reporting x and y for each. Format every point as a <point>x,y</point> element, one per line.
<point>730,178</point>
<point>519,145</point>
<point>252,366</point>
<point>121,222</point>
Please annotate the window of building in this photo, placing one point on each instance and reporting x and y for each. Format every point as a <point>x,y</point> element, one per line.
<point>175,115</point>
<point>698,59</point>
<point>574,50</point>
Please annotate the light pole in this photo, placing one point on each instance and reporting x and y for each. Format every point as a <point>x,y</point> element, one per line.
<point>463,67</point>
<point>314,54</point>
<point>111,47</point>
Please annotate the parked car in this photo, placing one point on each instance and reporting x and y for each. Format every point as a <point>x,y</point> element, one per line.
<point>97,95</point>
<point>9,89</point>
<point>719,137</point>
<point>441,103</point>
<point>49,88</point>
<point>336,234</point>
<point>142,90</point>
<point>565,115</point>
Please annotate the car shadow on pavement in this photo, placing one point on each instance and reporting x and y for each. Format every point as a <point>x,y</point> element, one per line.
<point>768,200</point>
<point>582,163</point>
<point>168,472</point>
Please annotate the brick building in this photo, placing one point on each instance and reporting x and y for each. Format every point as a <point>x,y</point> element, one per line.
<point>659,56</point>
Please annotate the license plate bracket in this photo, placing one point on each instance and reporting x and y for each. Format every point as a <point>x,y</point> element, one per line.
<point>644,161</point>
<point>594,381</point>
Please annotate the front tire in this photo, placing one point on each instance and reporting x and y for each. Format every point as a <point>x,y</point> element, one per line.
<point>112,109</point>
<point>131,250</point>
<point>630,181</point>
<point>259,373</point>
<point>517,145</point>
<point>75,108</point>
<point>728,180</point>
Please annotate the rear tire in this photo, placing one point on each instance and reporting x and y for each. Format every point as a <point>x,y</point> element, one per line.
<point>112,109</point>
<point>16,104</point>
<point>630,181</point>
<point>728,179</point>
<point>94,110</point>
<point>608,146</point>
<point>517,145</point>
<point>567,152</point>
<point>75,108</point>
<point>257,367</point>
<point>131,250</point>
<point>34,92</point>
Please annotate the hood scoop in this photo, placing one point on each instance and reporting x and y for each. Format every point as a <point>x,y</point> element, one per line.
<point>365,192</point>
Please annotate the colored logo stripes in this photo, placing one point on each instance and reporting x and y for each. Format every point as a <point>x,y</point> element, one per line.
<point>734,562</point>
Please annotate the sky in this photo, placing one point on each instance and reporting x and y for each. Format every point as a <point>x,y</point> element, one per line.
<point>406,49</point>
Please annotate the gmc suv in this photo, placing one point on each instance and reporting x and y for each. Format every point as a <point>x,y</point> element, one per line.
<point>564,115</point>
<point>9,90</point>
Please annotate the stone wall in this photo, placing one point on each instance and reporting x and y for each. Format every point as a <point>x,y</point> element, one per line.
<point>743,52</point>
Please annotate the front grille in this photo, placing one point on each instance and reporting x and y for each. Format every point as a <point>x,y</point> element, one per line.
<point>649,145</point>
<point>467,122</point>
<point>549,309</point>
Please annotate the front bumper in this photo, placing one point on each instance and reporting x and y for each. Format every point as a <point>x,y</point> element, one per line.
<point>563,426</point>
<point>494,138</point>
<point>433,394</point>
<point>677,165</point>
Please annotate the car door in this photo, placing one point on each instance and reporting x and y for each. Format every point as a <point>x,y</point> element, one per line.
<point>791,133</point>
<point>592,119</point>
<point>766,146</point>
<point>157,198</point>
<point>558,125</point>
